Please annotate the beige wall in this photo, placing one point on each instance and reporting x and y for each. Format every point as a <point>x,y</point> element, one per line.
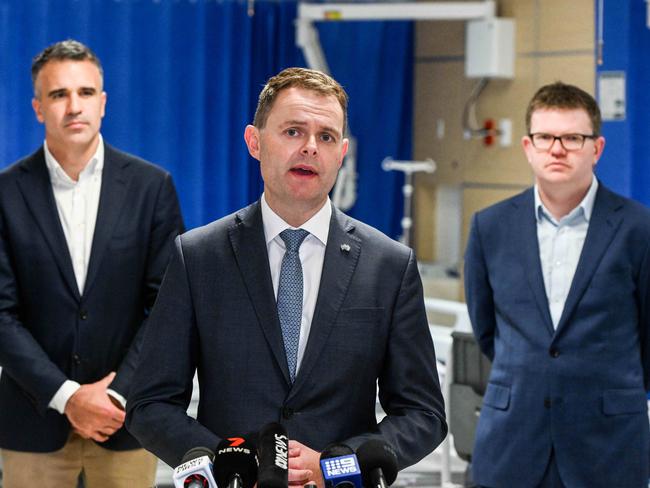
<point>548,48</point>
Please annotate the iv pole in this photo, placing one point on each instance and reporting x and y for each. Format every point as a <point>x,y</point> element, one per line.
<point>408,168</point>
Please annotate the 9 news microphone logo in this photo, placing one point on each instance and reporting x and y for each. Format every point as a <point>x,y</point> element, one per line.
<point>341,465</point>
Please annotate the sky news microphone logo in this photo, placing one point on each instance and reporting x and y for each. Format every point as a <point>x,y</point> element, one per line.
<point>340,466</point>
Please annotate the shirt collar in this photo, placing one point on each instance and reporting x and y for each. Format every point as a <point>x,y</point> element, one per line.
<point>586,205</point>
<point>318,225</point>
<point>58,175</point>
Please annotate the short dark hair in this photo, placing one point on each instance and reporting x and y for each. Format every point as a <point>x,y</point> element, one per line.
<point>308,79</point>
<point>64,50</point>
<point>563,96</point>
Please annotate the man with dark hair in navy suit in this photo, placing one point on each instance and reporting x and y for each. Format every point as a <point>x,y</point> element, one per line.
<point>558,288</point>
<point>85,235</point>
<point>290,310</point>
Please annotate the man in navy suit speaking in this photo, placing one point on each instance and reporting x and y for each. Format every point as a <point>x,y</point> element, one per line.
<point>86,232</point>
<point>558,288</point>
<point>290,310</point>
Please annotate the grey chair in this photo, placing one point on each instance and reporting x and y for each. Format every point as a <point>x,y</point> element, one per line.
<point>471,370</point>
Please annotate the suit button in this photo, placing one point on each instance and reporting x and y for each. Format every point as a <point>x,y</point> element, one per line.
<point>287,413</point>
<point>76,359</point>
<point>83,315</point>
<point>547,402</point>
<point>554,353</point>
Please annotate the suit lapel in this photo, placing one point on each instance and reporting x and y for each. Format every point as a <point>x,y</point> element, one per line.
<point>37,191</point>
<point>249,247</point>
<point>605,220</point>
<point>527,244</point>
<point>341,258</point>
<point>111,200</point>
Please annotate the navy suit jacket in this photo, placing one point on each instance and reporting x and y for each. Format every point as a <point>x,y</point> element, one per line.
<point>48,331</point>
<point>579,390</point>
<point>216,312</point>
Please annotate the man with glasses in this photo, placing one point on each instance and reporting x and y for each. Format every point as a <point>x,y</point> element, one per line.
<point>557,283</point>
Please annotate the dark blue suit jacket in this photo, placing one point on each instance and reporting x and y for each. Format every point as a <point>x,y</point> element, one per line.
<point>48,331</point>
<point>579,390</point>
<point>216,311</point>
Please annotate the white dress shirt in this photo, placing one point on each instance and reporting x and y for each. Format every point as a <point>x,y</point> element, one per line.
<point>77,203</point>
<point>560,246</point>
<point>312,255</point>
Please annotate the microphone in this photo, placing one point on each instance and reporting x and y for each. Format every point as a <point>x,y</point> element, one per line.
<point>273,452</point>
<point>235,463</point>
<point>378,463</point>
<point>195,470</point>
<point>340,467</point>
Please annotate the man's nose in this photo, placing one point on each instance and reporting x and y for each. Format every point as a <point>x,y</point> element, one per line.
<point>310,148</point>
<point>557,147</point>
<point>74,104</point>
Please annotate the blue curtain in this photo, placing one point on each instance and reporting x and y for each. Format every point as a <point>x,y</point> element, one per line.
<point>182,78</point>
<point>625,164</point>
<point>374,62</point>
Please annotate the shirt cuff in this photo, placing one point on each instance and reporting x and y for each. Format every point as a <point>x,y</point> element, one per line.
<point>63,394</point>
<point>117,396</point>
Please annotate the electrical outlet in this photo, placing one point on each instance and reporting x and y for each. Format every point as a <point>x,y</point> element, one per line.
<point>505,132</point>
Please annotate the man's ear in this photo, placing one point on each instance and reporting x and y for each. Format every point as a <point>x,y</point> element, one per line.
<point>103,110</point>
<point>252,138</point>
<point>599,146</point>
<point>528,147</point>
<point>36,105</point>
<point>344,150</point>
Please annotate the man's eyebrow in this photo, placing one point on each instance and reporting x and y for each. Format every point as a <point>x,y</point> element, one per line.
<point>302,123</point>
<point>294,122</point>
<point>62,91</point>
<point>58,91</point>
<point>334,131</point>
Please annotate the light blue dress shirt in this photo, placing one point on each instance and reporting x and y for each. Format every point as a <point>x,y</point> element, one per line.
<point>560,245</point>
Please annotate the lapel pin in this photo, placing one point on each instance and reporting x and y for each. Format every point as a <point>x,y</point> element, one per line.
<point>345,247</point>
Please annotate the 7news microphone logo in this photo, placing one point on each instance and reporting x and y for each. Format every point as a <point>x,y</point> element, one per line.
<point>234,446</point>
<point>341,465</point>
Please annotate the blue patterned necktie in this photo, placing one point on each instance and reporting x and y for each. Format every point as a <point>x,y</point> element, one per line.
<point>290,295</point>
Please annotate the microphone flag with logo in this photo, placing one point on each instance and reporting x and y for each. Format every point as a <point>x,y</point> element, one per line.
<point>235,463</point>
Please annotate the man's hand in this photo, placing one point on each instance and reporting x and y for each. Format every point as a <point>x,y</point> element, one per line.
<point>92,413</point>
<point>304,465</point>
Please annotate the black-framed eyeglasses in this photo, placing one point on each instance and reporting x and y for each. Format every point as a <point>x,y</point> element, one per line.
<point>570,142</point>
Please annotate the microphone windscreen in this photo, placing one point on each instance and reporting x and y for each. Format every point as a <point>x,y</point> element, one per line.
<point>197,452</point>
<point>340,467</point>
<point>374,454</point>
<point>235,456</point>
<point>273,453</point>
<point>335,450</point>
<point>195,470</point>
